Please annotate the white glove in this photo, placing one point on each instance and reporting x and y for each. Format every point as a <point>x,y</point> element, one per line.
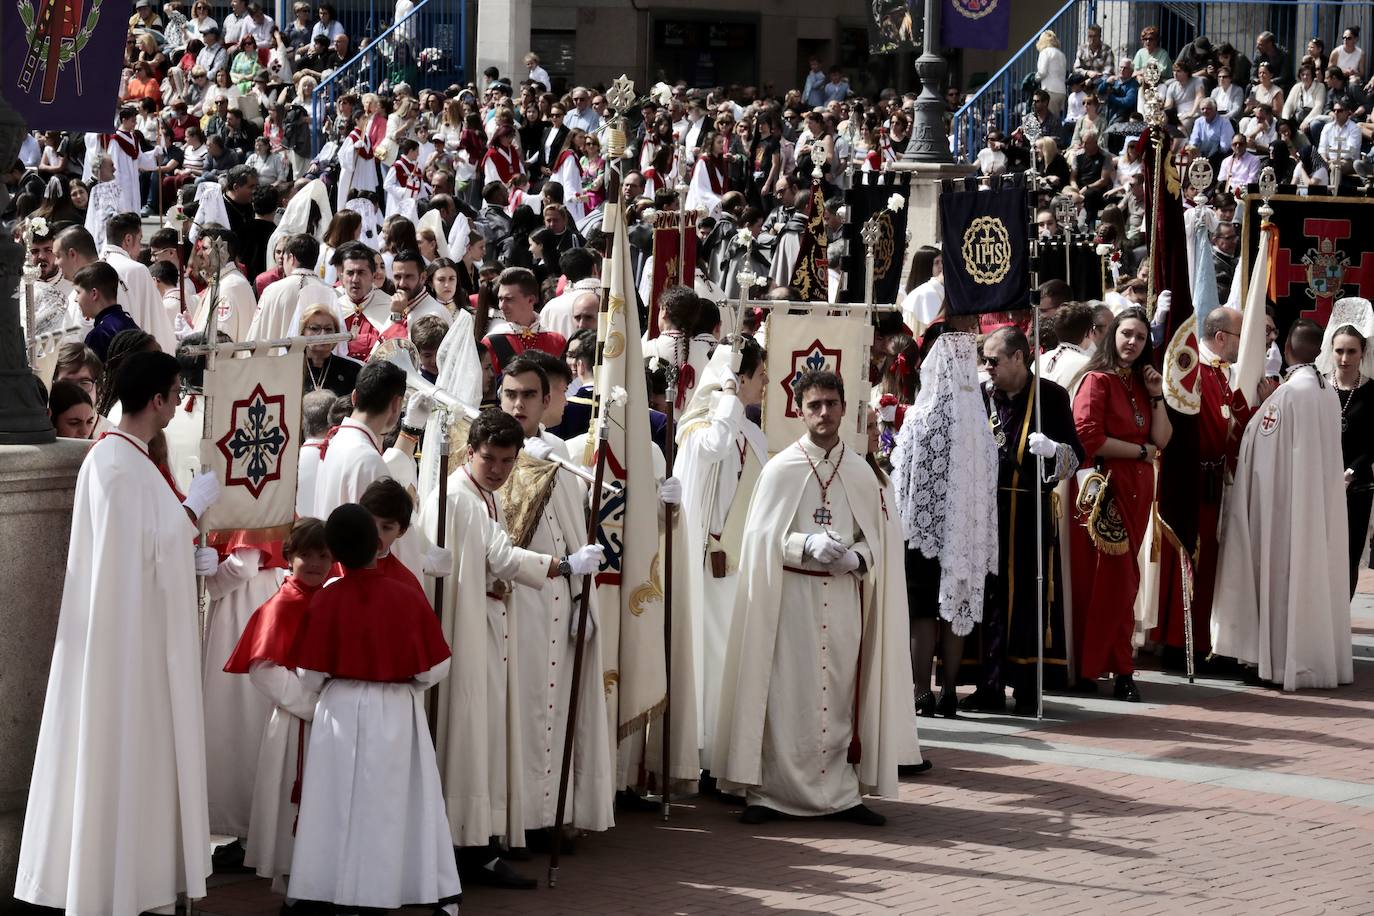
<point>207,561</point>
<point>586,559</point>
<point>438,561</point>
<point>537,448</point>
<point>729,381</point>
<point>670,491</point>
<point>418,409</point>
<point>201,494</point>
<point>848,562</point>
<point>1349,476</point>
<point>1273,360</point>
<point>1043,446</point>
<point>1162,304</point>
<point>822,548</point>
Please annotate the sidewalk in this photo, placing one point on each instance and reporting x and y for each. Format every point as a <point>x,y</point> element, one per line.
<point>1210,797</point>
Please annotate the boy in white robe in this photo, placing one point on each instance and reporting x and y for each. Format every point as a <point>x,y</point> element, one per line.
<point>234,299</point>
<point>372,830</point>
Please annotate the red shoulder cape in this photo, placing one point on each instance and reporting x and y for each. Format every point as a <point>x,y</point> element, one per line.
<point>392,568</point>
<point>272,629</point>
<point>369,626</point>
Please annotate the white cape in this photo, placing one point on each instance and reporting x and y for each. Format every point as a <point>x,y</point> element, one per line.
<point>1281,596</point>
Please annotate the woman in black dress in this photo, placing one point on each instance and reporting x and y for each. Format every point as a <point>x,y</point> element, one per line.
<point>1357,437</point>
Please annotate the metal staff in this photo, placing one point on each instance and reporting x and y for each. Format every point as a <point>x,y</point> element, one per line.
<point>1031,130</point>
<point>588,583</point>
<point>1063,211</point>
<point>217,254</point>
<point>440,537</point>
<point>1155,117</point>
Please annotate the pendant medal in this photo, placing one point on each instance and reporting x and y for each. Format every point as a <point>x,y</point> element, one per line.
<point>1225,411</point>
<point>822,516</point>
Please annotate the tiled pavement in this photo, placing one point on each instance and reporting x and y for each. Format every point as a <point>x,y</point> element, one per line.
<point>1209,798</point>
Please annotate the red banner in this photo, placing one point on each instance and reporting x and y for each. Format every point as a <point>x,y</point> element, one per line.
<point>668,255</point>
<point>811,277</point>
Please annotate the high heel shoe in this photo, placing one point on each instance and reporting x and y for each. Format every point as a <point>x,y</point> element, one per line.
<point>925,704</point>
<point>948,706</point>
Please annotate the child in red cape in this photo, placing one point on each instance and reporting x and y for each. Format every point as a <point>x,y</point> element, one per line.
<point>263,653</point>
<point>391,508</point>
<point>373,831</point>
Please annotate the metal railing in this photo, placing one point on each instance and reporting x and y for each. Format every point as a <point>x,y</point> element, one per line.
<point>427,49</point>
<point>1001,101</point>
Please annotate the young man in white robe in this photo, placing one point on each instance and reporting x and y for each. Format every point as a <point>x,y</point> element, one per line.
<point>126,152</point>
<point>720,455</point>
<point>284,301</point>
<point>412,300</point>
<point>315,408</point>
<point>366,309</point>
<point>1281,601</point>
<point>687,326</point>
<point>546,506</point>
<point>234,301</point>
<point>815,707</point>
<point>478,713</point>
<point>138,293</point>
<point>116,818</point>
<point>357,162</point>
<point>405,182</point>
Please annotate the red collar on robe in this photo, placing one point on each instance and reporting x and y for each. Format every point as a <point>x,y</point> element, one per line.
<point>365,333</point>
<point>368,626</point>
<point>361,143</point>
<point>718,174</point>
<point>507,164</point>
<point>390,567</point>
<point>376,129</point>
<point>271,631</point>
<point>407,174</point>
<point>166,474</point>
<point>563,157</point>
<point>127,143</point>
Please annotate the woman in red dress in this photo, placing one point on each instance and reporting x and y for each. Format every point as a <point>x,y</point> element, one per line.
<point>1122,422</point>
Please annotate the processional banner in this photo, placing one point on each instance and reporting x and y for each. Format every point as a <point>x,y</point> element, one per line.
<point>801,343</point>
<point>252,444</point>
<point>59,57</point>
<point>871,197</point>
<point>985,255</point>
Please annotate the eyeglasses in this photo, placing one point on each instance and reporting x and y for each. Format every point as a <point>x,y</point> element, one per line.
<point>86,384</point>
<point>555,114</point>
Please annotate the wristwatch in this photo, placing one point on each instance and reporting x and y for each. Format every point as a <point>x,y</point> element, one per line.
<point>413,432</point>
<point>565,568</point>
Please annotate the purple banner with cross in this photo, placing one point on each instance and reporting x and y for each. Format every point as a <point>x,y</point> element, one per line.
<point>982,24</point>
<point>63,60</point>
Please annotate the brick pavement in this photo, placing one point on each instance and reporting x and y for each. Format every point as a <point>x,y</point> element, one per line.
<point>1206,798</point>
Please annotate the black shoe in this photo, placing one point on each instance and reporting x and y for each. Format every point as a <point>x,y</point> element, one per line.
<point>1173,659</point>
<point>948,706</point>
<point>499,875</point>
<point>984,701</point>
<point>1250,676</point>
<point>625,800</point>
<point>1084,685</point>
<point>1024,705</point>
<point>757,814</point>
<point>1126,689</point>
<point>915,769</point>
<point>228,859</point>
<point>515,854</point>
<point>707,784</point>
<point>925,704</point>
<point>859,814</point>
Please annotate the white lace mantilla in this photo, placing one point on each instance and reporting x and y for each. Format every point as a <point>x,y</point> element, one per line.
<point>945,473</point>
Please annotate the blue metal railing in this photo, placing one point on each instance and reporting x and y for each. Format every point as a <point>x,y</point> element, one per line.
<point>1000,102</point>
<point>426,49</point>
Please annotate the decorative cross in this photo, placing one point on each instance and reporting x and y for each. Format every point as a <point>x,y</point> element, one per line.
<point>1063,210</point>
<point>818,160</point>
<point>823,516</point>
<point>1150,74</point>
<point>1199,175</point>
<point>871,233</point>
<point>1333,164</point>
<point>260,440</point>
<point>1268,187</point>
<point>622,93</point>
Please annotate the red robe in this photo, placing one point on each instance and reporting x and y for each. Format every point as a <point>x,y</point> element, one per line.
<point>392,568</point>
<point>1218,448</point>
<point>366,336</point>
<point>1105,586</point>
<point>271,631</point>
<point>368,626</point>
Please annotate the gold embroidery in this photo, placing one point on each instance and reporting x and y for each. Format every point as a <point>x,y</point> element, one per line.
<point>648,592</point>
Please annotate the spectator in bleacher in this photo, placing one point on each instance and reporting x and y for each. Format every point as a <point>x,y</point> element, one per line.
<point>1183,94</point>
<point>1123,93</point>
<point>1229,98</point>
<point>1236,62</point>
<point>1091,178</point>
<point>212,57</point>
<point>1197,56</point>
<point>297,32</point>
<point>328,24</point>
<point>1265,91</point>
<point>1051,68</point>
<point>1340,139</point>
<point>145,17</point>
<point>1239,169</point>
<point>1267,50</point>
<point>837,89</point>
<point>1338,87</point>
<point>1316,56</point>
<point>1350,56</point>
<point>1307,96</point>
<point>1212,133</point>
<point>1260,130</point>
<point>236,23</point>
<point>1050,123</point>
<point>200,20</point>
<point>1092,120</point>
<point>245,64</point>
<point>1095,59</point>
<point>1151,51</point>
<point>259,25</point>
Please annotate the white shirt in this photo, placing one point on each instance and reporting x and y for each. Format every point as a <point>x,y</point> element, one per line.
<point>541,75</point>
<point>1350,140</point>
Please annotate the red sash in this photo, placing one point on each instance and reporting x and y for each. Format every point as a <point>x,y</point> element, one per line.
<point>508,165</point>
<point>126,143</point>
<point>718,174</point>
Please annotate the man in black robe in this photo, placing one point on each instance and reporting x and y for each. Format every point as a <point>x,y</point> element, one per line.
<point>1006,643</point>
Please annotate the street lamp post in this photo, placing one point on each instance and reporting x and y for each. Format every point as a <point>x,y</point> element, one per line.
<point>928,141</point>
